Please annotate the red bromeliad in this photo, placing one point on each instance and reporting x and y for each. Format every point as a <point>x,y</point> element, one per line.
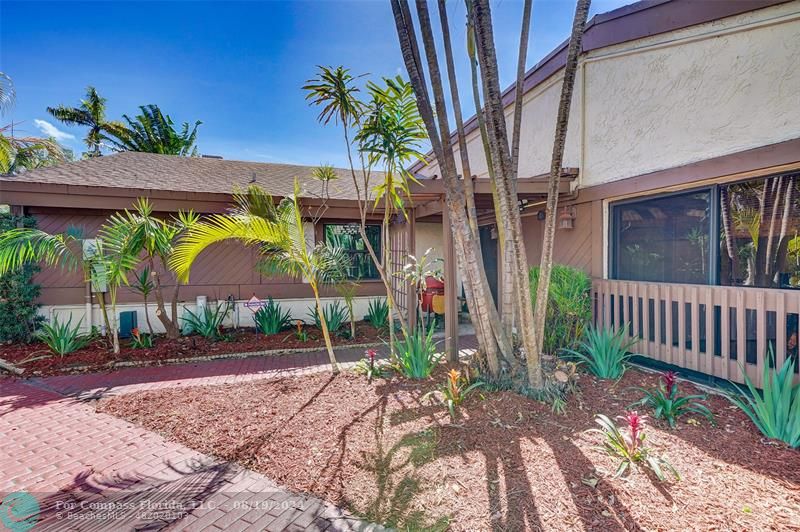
<point>635,426</point>
<point>670,379</point>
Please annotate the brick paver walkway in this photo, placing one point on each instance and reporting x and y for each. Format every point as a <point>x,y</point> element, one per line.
<point>93,471</point>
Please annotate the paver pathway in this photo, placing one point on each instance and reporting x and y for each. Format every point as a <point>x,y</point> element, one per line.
<point>92,471</point>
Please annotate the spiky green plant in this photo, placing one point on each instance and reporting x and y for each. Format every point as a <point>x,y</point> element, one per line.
<point>208,322</point>
<point>668,404</point>
<point>63,338</point>
<point>775,409</point>
<point>415,354</point>
<point>271,319</point>
<point>378,313</point>
<point>604,352</point>
<point>335,315</point>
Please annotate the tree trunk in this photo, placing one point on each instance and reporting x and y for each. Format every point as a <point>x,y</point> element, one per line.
<point>562,121</point>
<point>170,325</point>
<point>727,228</point>
<point>506,187</point>
<point>325,333</point>
<point>147,316</point>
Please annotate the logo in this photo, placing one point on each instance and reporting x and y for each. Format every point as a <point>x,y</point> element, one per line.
<point>19,511</point>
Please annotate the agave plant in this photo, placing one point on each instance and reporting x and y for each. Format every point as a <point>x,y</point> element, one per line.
<point>271,319</point>
<point>378,313</point>
<point>335,315</point>
<point>63,338</point>
<point>604,352</point>
<point>208,322</point>
<point>668,404</point>
<point>775,409</point>
<point>627,445</point>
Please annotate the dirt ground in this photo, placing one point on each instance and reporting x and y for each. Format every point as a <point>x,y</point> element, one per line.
<point>391,455</point>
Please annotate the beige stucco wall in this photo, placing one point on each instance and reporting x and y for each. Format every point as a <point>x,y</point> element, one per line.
<point>669,100</point>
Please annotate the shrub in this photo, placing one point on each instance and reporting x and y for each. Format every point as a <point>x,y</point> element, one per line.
<point>415,354</point>
<point>568,309</point>
<point>19,312</point>
<point>141,341</point>
<point>207,323</point>
<point>335,315</point>
<point>270,319</point>
<point>628,446</point>
<point>604,351</point>
<point>378,313</point>
<point>776,409</point>
<point>62,338</point>
<point>668,404</point>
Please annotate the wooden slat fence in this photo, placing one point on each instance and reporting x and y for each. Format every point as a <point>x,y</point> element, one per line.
<point>723,331</point>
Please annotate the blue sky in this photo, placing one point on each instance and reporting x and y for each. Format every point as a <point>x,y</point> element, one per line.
<point>237,66</point>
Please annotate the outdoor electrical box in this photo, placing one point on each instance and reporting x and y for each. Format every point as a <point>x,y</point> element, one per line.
<point>128,321</point>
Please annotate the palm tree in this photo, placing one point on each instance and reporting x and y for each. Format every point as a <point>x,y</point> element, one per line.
<point>562,121</point>
<point>17,153</point>
<point>156,239</point>
<point>153,132</point>
<point>279,233</point>
<point>90,113</point>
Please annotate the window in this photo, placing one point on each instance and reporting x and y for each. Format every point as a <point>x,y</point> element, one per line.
<point>347,237</point>
<point>663,239</point>
<point>760,232</point>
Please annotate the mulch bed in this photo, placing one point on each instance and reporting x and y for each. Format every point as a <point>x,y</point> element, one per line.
<point>392,456</point>
<point>97,356</point>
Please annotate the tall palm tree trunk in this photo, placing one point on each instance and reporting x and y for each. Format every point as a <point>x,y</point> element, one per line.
<point>562,121</point>
<point>326,335</point>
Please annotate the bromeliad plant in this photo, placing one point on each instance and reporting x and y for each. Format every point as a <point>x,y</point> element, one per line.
<point>604,352</point>
<point>627,445</point>
<point>456,390</point>
<point>415,354</point>
<point>208,322</point>
<point>668,404</point>
<point>300,333</point>
<point>271,319</point>
<point>775,409</point>
<point>63,338</point>
<point>139,340</point>
<point>367,366</point>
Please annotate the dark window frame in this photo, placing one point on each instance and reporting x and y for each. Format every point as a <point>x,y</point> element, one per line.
<point>365,252</point>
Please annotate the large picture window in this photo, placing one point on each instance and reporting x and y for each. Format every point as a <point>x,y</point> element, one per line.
<point>736,234</point>
<point>760,232</point>
<point>663,239</point>
<point>348,237</point>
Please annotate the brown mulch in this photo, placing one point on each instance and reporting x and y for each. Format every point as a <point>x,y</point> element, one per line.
<point>37,360</point>
<point>392,456</point>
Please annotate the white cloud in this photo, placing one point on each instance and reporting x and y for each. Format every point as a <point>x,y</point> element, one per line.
<point>50,130</point>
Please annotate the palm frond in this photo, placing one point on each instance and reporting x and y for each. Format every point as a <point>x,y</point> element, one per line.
<point>22,245</point>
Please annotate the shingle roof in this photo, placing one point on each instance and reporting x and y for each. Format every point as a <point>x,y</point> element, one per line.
<point>152,171</point>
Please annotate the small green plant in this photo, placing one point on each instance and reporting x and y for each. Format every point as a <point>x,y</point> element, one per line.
<point>207,323</point>
<point>568,309</point>
<point>627,445</point>
<point>456,390</point>
<point>139,340</point>
<point>299,332</point>
<point>604,352</point>
<point>367,366</point>
<point>775,409</point>
<point>668,404</point>
<point>378,313</point>
<point>63,338</point>
<point>335,316</point>
<point>271,319</point>
<point>415,354</point>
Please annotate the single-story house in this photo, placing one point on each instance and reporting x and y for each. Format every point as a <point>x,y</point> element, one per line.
<point>683,161</point>
<point>680,197</point>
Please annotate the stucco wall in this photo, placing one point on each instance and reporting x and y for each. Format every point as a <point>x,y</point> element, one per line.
<point>669,100</point>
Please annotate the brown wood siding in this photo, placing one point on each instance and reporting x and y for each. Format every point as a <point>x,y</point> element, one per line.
<point>223,270</point>
<point>573,247</point>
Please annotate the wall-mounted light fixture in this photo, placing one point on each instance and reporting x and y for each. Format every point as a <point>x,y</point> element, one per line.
<point>566,218</point>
